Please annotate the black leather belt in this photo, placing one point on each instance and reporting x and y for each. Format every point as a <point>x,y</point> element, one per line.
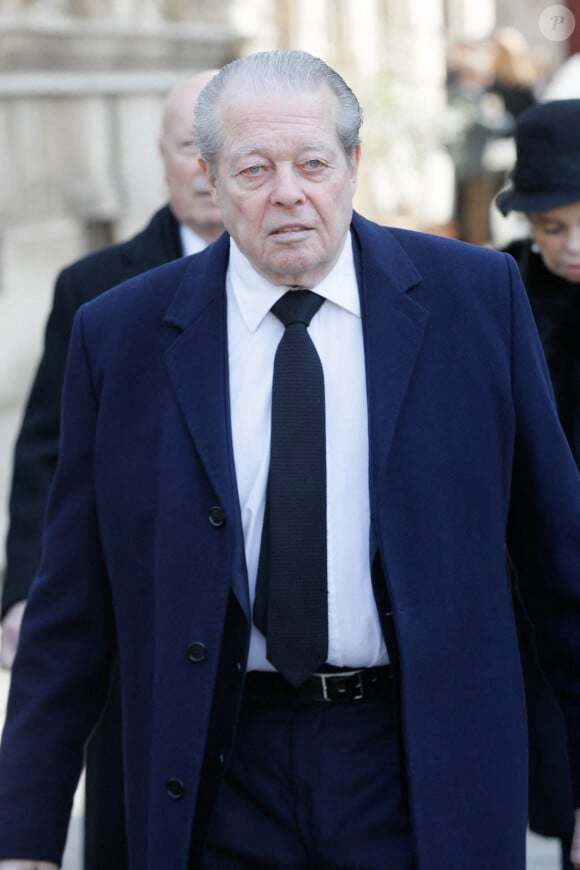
<point>338,685</point>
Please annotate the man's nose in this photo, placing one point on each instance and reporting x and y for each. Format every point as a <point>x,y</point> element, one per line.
<point>287,188</point>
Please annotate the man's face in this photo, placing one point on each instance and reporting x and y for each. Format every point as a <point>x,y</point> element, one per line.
<point>189,194</point>
<point>283,182</point>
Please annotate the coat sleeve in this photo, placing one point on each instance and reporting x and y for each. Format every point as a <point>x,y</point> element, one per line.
<point>36,449</point>
<point>64,660</point>
<point>544,521</point>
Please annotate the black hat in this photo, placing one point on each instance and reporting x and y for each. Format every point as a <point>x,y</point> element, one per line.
<point>547,170</point>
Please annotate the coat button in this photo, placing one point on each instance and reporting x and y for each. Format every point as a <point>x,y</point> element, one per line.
<point>217,517</point>
<point>197,652</point>
<point>175,788</point>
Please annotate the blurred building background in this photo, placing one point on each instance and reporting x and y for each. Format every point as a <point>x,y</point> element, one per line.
<point>81,85</point>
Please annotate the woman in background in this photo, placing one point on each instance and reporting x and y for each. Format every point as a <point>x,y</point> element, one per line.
<point>545,186</point>
<point>514,73</point>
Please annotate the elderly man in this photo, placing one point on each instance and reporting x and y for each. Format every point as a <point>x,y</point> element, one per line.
<point>188,222</point>
<point>290,467</point>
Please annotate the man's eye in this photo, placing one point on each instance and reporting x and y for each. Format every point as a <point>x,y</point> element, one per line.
<point>252,170</point>
<point>313,164</point>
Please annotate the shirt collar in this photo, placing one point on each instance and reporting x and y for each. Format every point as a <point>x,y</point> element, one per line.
<point>255,296</point>
<point>191,242</point>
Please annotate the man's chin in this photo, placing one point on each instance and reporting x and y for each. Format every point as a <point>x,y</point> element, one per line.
<point>294,272</point>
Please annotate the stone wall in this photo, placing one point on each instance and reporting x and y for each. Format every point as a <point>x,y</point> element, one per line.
<point>81,88</point>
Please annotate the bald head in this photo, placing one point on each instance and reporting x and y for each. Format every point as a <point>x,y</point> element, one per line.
<point>181,99</point>
<point>189,196</point>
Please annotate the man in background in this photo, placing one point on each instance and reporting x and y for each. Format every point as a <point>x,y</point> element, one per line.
<point>184,226</point>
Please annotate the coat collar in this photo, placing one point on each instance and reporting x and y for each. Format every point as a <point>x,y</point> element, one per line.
<point>393,324</point>
<point>197,361</point>
<point>197,364</point>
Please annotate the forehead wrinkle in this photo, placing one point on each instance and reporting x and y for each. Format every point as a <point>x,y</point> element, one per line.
<point>260,149</point>
<point>239,106</point>
<point>271,118</point>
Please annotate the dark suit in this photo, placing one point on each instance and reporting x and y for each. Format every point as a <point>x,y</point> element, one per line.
<point>35,459</point>
<point>464,444</point>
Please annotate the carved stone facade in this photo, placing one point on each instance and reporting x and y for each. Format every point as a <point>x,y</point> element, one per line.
<point>81,88</point>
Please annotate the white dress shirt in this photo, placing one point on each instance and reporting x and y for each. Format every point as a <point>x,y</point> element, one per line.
<point>191,243</point>
<point>355,637</point>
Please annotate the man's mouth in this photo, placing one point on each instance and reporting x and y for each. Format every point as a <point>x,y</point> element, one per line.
<point>289,228</point>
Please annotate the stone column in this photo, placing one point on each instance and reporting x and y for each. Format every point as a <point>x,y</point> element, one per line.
<point>181,10</point>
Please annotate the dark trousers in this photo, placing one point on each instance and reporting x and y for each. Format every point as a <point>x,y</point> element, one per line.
<point>312,785</point>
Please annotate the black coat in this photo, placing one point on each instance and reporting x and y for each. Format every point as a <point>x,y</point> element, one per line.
<point>37,445</point>
<point>35,459</point>
<point>556,307</point>
<point>555,304</point>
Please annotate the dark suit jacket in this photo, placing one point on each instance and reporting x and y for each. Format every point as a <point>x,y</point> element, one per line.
<point>144,550</point>
<point>37,445</point>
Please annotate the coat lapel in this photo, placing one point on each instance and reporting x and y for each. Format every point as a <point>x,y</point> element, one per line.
<point>197,364</point>
<point>393,324</point>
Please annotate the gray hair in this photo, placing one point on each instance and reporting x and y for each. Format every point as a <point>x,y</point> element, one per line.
<point>296,70</point>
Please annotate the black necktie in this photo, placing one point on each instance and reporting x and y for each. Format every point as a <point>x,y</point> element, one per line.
<point>291,607</point>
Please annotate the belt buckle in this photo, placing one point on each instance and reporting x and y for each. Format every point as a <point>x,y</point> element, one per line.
<point>325,678</point>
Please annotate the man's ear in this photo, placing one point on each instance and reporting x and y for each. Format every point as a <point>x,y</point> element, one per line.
<point>162,150</point>
<point>211,180</point>
<point>355,162</point>
<point>206,171</point>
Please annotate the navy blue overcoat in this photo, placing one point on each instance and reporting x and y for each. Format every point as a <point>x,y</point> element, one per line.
<point>143,551</point>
